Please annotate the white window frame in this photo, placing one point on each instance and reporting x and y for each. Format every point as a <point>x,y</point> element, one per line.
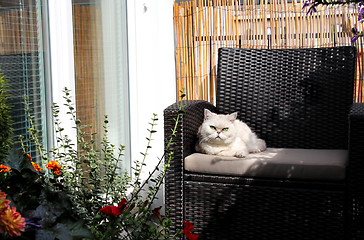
<point>62,59</point>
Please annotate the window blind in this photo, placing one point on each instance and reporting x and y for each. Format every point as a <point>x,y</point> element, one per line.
<point>21,61</point>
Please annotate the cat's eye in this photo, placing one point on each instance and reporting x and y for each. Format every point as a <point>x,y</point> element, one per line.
<point>213,127</point>
<point>225,129</point>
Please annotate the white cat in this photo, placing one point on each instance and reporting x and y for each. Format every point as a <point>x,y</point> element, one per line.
<point>225,135</point>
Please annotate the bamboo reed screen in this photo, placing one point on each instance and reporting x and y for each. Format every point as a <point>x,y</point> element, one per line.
<point>203,26</point>
<point>86,41</point>
<point>18,30</point>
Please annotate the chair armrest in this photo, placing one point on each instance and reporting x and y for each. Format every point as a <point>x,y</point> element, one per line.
<point>356,140</point>
<point>183,145</point>
<point>355,171</point>
<point>189,123</point>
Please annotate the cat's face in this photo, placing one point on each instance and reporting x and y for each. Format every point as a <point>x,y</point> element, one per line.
<point>217,127</point>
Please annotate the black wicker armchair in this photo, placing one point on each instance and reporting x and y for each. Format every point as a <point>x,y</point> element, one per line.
<point>295,99</point>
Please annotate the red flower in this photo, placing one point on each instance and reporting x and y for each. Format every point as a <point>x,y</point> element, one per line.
<point>157,212</point>
<point>188,229</point>
<point>114,211</point>
<point>111,211</point>
<point>122,204</point>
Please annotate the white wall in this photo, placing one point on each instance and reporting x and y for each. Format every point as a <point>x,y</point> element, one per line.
<point>151,72</point>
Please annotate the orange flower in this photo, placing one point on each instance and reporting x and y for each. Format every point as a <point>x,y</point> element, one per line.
<point>29,157</point>
<point>54,165</point>
<point>11,222</point>
<point>4,203</point>
<point>36,167</point>
<point>4,168</point>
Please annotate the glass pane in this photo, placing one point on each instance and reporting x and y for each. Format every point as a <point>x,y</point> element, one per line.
<point>101,75</point>
<point>21,61</point>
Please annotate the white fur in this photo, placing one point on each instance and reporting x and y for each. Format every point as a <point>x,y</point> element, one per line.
<point>225,135</point>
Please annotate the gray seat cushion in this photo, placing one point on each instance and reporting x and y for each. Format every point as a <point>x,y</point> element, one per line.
<point>310,164</point>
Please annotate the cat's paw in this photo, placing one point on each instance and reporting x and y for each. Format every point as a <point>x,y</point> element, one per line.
<point>255,150</point>
<point>240,154</point>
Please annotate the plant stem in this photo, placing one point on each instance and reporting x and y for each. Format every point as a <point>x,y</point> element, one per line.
<point>33,132</point>
<point>139,170</point>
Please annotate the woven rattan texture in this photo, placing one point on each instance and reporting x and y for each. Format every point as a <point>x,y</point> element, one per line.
<point>282,99</point>
<point>297,98</point>
<point>183,145</point>
<point>228,211</point>
<point>355,171</point>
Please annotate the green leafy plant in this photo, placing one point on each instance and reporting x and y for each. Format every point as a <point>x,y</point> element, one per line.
<point>47,209</point>
<point>86,179</point>
<point>111,203</point>
<point>6,131</point>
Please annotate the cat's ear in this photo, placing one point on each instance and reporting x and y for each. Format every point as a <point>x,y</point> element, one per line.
<point>208,114</point>
<point>233,116</point>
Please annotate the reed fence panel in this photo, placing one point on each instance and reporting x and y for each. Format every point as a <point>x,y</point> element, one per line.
<point>87,61</point>
<point>18,31</point>
<point>203,26</point>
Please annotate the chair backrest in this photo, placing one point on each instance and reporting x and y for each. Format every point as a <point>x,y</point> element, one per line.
<point>296,98</point>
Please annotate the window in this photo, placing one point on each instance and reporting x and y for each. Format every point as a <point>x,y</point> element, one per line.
<point>100,60</point>
<point>90,59</point>
<point>22,62</point>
